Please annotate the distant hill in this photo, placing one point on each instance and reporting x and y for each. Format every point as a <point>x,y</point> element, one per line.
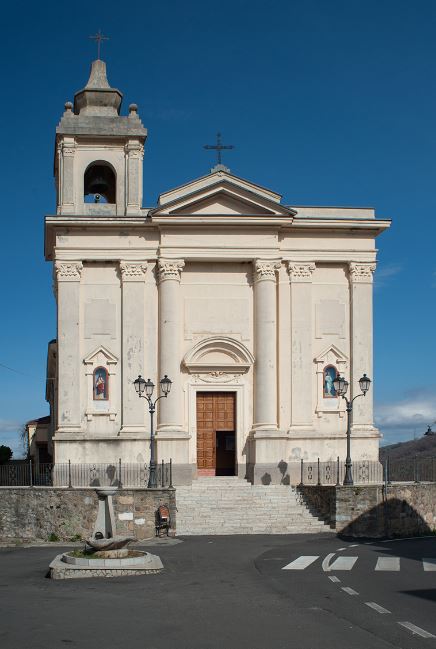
<point>421,448</point>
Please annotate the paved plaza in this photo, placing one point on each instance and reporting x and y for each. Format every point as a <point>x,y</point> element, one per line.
<point>286,592</point>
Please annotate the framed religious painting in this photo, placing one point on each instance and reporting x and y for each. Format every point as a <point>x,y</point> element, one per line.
<point>101,384</point>
<point>330,373</point>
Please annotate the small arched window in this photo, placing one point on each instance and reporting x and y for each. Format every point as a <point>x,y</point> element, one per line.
<point>99,183</point>
<point>330,373</point>
<point>101,384</point>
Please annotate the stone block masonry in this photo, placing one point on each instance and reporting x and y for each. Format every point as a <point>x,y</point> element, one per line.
<point>46,513</point>
<point>376,511</point>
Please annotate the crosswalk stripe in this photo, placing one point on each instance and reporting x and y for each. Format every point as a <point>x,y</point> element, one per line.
<point>388,563</point>
<point>343,563</point>
<point>429,564</point>
<point>301,563</point>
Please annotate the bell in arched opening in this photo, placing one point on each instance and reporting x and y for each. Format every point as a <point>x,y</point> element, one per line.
<point>100,183</point>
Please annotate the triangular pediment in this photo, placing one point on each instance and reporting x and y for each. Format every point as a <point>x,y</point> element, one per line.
<point>100,354</point>
<point>226,196</point>
<point>331,354</point>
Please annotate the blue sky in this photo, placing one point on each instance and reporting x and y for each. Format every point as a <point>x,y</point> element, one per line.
<point>329,103</point>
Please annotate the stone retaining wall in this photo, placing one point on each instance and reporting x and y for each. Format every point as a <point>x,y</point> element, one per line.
<point>46,513</point>
<point>405,509</point>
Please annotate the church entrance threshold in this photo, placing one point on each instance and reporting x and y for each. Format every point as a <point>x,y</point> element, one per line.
<point>216,433</point>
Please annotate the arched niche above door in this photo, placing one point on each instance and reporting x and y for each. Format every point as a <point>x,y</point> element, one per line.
<point>218,354</point>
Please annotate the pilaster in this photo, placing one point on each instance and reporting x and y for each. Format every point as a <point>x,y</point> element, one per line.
<point>265,328</point>
<point>170,326</point>
<point>67,277</point>
<point>66,152</point>
<point>133,276</point>
<point>300,277</point>
<point>134,154</point>
<point>361,289</point>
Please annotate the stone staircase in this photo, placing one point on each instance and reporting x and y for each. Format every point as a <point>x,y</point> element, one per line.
<point>229,505</point>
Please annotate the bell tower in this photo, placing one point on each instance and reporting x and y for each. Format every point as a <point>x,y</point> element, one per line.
<point>98,157</point>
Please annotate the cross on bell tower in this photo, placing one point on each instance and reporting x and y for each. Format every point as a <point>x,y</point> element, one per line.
<point>218,147</point>
<point>99,37</point>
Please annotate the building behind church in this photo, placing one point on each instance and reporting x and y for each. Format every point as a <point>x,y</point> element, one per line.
<point>251,307</point>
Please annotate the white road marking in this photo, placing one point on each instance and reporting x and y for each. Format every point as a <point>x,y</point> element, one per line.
<point>429,564</point>
<point>301,563</point>
<point>334,579</point>
<point>349,590</point>
<point>377,607</point>
<point>326,561</point>
<point>416,630</point>
<point>355,545</point>
<point>340,549</point>
<point>388,563</point>
<point>343,563</point>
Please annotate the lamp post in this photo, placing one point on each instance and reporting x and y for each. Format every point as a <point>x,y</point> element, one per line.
<point>147,386</point>
<point>341,386</point>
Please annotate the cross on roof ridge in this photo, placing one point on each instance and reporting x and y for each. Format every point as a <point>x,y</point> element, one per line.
<point>218,147</point>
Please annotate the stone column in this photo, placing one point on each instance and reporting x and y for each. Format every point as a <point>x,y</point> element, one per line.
<point>69,355</point>
<point>361,275</point>
<point>170,333</point>
<point>67,180</point>
<point>135,153</point>
<point>133,343</point>
<point>302,366</point>
<point>265,333</point>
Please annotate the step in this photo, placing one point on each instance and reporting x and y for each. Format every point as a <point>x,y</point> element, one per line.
<point>223,505</point>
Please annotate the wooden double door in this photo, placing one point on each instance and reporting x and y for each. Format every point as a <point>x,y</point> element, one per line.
<point>216,433</point>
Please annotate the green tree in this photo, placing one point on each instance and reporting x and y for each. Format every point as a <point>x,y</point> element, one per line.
<point>5,454</point>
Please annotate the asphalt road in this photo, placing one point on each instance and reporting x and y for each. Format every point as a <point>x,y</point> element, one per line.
<point>229,593</point>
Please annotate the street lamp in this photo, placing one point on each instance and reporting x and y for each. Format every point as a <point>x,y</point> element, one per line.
<point>341,386</point>
<point>144,389</point>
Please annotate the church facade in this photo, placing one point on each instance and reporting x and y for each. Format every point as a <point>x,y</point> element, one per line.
<point>251,308</point>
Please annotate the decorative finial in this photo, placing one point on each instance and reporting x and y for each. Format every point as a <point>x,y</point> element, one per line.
<point>99,37</point>
<point>218,147</point>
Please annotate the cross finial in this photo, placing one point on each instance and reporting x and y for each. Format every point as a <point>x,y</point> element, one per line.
<point>218,147</point>
<point>99,37</point>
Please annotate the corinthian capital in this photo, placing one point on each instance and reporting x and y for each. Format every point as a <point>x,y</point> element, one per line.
<point>361,272</point>
<point>266,269</point>
<point>133,271</point>
<point>301,271</point>
<point>68,271</point>
<point>170,269</point>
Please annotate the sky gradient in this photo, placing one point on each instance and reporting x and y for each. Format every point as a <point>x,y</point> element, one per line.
<point>327,103</point>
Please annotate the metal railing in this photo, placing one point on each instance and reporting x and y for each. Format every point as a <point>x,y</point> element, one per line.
<point>119,474</point>
<point>414,469</point>
<point>333,472</point>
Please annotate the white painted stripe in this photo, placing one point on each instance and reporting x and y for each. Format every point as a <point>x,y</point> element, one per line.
<point>388,563</point>
<point>343,563</point>
<point>349,590</point>
<point>334,579</point>
<point>340,549</point>
<point>301,563</point>
<point>377,607</point>
<point>326,561</point>
<point>429,564</point>
<point>416,630</point>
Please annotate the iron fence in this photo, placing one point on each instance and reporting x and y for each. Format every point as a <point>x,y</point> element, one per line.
<point>333,472</point>
<point>119,474</point>
<point>414,469</point>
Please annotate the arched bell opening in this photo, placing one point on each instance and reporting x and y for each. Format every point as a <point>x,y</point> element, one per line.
<point>100,183</point>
